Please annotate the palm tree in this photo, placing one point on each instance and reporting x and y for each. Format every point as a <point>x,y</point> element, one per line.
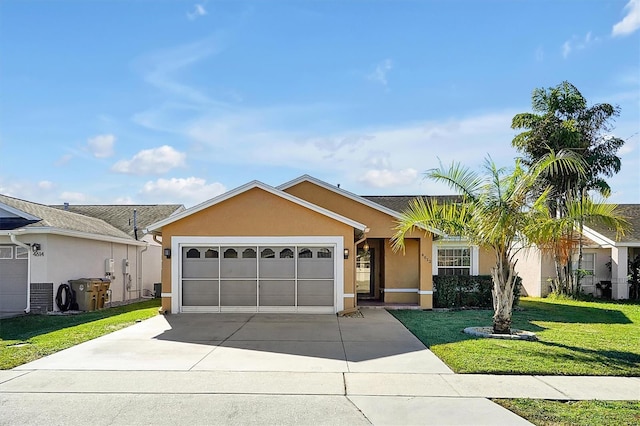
<point>502,210</point>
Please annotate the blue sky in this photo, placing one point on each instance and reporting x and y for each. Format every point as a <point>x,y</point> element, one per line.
<point>154,101</point>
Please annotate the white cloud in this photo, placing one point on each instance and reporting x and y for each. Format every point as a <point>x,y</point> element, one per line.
<point>124,200</point>
<point>385,178</point>
<point>631,21</point>
<point>379,75</point>
<point>46,185</point>
<point>566,48</point>
<point>152,161</point>
<point>101,146</point>
<point>161,68</point>
<point>73,197</point>
<point>387,150</point>
<point>63,160</point>
<point>198,11</point>
<point>578,43</point>
<point>188,191</point>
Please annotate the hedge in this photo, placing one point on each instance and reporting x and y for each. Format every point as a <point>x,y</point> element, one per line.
<point>458,291</point>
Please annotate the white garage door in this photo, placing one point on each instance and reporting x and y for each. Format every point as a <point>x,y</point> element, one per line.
<point>13,279</point>
<point>258,278</point>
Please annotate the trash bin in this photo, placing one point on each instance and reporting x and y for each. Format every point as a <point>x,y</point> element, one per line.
<point>87,291</point>
<point>103,293</point>
<point>157,290</point>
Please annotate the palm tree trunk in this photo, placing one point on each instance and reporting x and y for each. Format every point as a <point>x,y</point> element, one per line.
<point>503,275</point>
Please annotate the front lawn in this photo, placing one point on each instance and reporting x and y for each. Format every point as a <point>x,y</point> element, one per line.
<point>575,338</point>
<point>569,413</point>
<point>27,338</point>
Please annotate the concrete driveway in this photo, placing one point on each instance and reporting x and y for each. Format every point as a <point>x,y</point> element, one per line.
<point>246,369</point>
<point>377,343</point>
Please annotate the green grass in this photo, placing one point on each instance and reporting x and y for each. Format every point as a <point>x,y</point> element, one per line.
<point>575,338</point>
<point>571,413</point>
<point>27,338</point>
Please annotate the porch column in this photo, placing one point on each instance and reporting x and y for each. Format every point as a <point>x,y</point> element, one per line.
<point>425,291</point>
<point>619,271</point>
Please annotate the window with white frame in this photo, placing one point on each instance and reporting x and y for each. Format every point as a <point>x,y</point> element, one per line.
<point>454,261</point>
<point>22,253</point>
<point>6,252</point>
<point>589,268</point>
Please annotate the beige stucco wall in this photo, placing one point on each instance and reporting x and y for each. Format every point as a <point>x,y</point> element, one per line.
<point>529,269</point>
<point>402,272</point>
<point>257,213</point>
<point>411,270</point>
<point>486,261</point>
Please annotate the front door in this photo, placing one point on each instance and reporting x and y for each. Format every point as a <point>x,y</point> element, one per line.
<point>365,285</point>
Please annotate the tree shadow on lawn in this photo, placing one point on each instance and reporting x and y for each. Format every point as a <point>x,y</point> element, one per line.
<point>611,359</point>
<point>533,310</point>
<point>26,327</point>
<point>434,328</point>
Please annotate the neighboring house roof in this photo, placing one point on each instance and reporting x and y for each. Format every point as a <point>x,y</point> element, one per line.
<point>251,185</point>
<point>52,220</point>
<point>400,203</point>
<point>121,216</point>
<point>632,236</point>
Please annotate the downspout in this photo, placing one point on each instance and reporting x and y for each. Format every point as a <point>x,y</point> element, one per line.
<point>141,276</point>
<point>28,249</point>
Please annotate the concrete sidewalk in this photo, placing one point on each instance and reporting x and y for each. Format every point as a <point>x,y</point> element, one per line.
<point>217,397</point>
<point>307,383</point>
<point>271,369</point>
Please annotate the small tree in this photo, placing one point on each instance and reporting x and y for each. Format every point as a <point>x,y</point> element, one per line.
<point>499,210</point>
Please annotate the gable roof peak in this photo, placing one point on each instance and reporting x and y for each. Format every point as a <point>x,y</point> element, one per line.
<point>244,188</point>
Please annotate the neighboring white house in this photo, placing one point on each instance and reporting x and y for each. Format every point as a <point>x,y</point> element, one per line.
<point>132,220</point>
<point>42,247</point>
<point>605,258</point>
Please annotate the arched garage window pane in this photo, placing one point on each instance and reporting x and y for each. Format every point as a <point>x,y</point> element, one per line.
<point>267,254</point>
<point>249,254</point>
<point>193,253</point>
<point>286,254</point>
<point>324,253</point>
<point>211,254</point>
<point>305,253</point>
<point>230,254</point>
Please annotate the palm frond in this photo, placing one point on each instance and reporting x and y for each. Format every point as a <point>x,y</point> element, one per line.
<point>458,178</point>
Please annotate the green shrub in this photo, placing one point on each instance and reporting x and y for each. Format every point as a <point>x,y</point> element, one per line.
<point>457,291</point>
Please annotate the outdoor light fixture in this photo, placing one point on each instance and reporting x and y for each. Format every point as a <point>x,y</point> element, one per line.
<point>365,247</point>
<point>346,253</point>
<point>167,253</point>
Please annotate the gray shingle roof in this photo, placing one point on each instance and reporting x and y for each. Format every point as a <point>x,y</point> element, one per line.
<point>400,203</point>
<point>55,218</point>
<point>121,216</point>
<point>632,213</point>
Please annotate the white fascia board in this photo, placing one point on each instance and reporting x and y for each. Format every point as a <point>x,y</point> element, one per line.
<point>342,192</point>
<point>251,185</point>
<point>74,234</point>
<point>607,242</point>
<point>597,237</point>
<point>19,212</point>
